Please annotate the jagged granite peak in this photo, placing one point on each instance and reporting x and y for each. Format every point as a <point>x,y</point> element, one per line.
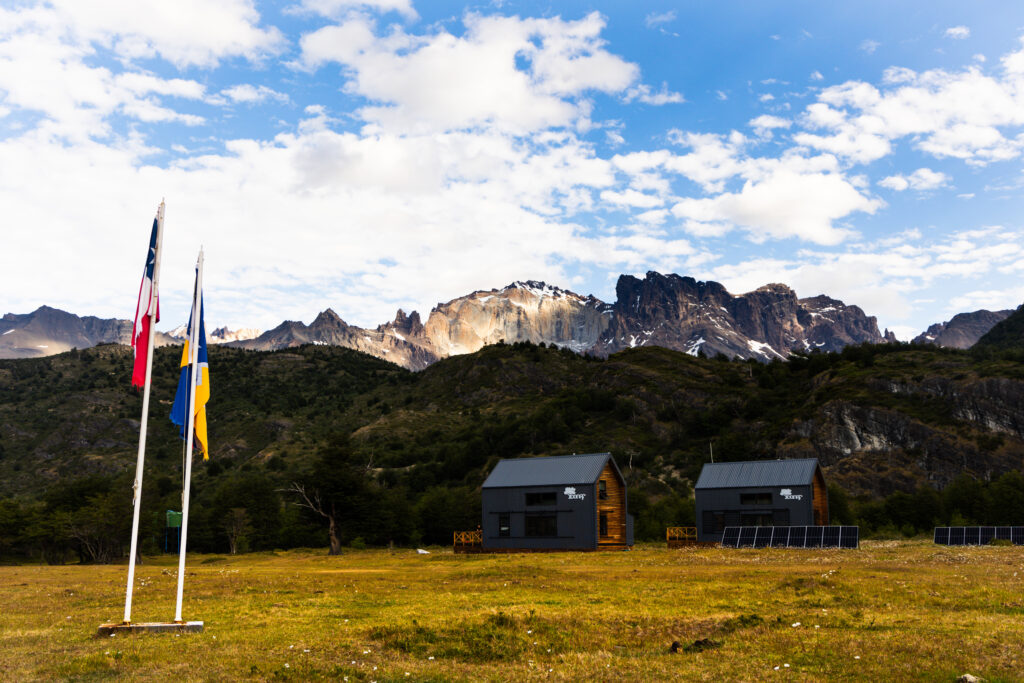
<point>963,330</point>
<point>522,311</point>
<point>693,316</point>
<point>673,311</point>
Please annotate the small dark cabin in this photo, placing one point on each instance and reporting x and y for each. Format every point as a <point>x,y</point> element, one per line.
<point>567,502</point>
<point>759,493</point>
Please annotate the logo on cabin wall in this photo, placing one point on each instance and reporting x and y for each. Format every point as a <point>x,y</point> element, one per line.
<point>570,493</point>
<point>788,495</point>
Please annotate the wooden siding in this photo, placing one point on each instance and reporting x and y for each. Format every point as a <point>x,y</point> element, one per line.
<point>614,506</point>
<point>820,496</point>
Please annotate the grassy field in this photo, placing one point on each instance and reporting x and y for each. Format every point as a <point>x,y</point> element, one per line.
<point>891,611</point>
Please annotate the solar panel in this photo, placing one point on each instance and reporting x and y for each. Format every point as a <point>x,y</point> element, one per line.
<point>978,535</point>
<point>791,537</point>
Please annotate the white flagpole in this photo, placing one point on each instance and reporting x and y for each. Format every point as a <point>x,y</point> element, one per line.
<point>137,500</point>
<point>194,364</point>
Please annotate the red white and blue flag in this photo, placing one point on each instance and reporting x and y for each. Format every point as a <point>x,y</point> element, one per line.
<point>146,312</point>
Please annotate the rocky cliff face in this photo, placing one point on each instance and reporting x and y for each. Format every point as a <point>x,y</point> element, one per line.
<point>684,314</point>
<point>876,450</point>
<point>329,328</point>
<point>963,331</point>
<point>523,311</point>
<point>47,331</point>
<point>659,310</point>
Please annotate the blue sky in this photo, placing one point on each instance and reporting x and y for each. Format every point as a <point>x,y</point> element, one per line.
<point>367,156</point>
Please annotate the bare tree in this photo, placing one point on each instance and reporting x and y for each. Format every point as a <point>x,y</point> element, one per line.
<point>237,526</point>
<point>312,501</point>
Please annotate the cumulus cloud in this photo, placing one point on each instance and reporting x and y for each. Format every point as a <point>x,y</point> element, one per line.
<point>782,205</point>
<point>186,32</point>
<point>643,93</point>
<point>921,180</point>
<point>251,94</point>
<point>335,9</point>
<point>958,32</point>
<point>445,82</point>
<point>948,114</point>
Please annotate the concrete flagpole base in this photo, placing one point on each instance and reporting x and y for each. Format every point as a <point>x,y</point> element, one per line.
<point>107,630</point>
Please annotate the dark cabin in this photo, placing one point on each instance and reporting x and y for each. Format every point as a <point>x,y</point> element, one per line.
<point>567,502</point>
<point>759,493</point>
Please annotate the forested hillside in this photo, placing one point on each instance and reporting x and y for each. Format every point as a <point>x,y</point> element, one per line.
<point>400,455</point>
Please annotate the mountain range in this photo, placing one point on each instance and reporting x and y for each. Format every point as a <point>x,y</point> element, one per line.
<point>669,311</point>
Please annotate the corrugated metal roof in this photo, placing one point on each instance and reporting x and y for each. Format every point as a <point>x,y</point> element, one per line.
<point>731,475</point>
<point>555,470</point>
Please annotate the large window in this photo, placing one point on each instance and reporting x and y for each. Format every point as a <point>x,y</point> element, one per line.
<point>756,498</point>
<point>542,498</point>
<point>762,519</point>
<point>541,525</point>
<point>603,524</point>
<point>504,527</point>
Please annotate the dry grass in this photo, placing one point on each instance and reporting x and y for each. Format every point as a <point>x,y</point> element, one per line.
<point>889,611</point>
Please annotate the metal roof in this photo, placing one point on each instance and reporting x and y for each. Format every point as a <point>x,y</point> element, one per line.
<point>555,470</point>
<point>755,473</point>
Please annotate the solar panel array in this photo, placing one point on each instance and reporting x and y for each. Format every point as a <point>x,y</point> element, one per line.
<point>791,537</point>
<point>978,535</point>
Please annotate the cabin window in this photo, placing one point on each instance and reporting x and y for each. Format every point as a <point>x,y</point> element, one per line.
<point>541,525</point>
<point>542,498</point>
<point>603,524</point>
<point>504,527</point>
<point>756,498</point>
<point>764,519</point>
<point>602,489</point>
<point>714,522</point>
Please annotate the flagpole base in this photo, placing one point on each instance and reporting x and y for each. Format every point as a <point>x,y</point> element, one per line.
<point>107,630</point>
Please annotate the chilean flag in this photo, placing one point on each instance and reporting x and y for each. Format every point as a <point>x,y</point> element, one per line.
<point>144,312</point>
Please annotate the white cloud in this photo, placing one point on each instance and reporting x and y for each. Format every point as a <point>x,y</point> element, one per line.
<point>816,76</point>
<point>958,32</point>
<point>763,125</point>
<point>186,32</point>
<point>922,179</point>
<point>657,18</point>
<point>869,46</point>
<point>643,94</point>
<point>784,204</point>
<point>948,114</point>
<point>251,94</point>
<point>335,9</point>
<point>445,82</point>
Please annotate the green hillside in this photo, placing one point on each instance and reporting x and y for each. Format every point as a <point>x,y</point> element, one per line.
<point>1008,334</point>
<point>404,453</point>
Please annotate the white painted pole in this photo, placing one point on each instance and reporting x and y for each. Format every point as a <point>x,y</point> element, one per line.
<point>137,500</point>
<point>194,363</point>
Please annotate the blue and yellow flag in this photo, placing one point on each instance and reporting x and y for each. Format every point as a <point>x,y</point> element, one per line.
<point>179,411</point>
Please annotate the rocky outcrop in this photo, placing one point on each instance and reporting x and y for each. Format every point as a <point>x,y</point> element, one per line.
<point>47,331</point>
<point>963,331</point>
<point>659,310</point>
<point>329,328</point>
<point>687,315</point>
<point>523,311</point>
<point>975,425</point>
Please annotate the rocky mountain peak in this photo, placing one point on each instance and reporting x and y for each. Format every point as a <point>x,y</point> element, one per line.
<point>963,330</point>
<point>328,318</point>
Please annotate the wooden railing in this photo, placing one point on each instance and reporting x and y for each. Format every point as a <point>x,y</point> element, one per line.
<point>464,539</point>
<point>681,535</point>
